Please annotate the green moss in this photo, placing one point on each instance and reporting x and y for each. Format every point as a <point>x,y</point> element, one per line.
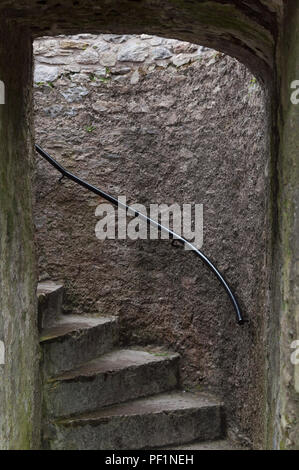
<point>282,445</point>
<point>19,387</point>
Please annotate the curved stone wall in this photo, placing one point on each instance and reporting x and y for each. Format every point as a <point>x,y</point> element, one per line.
<point>185,128</point>
<point>263,34</point>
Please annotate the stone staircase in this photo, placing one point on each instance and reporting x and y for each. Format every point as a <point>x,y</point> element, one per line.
<point>98,396</point>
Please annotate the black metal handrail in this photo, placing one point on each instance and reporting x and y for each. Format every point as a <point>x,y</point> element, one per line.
<point>149,221</point>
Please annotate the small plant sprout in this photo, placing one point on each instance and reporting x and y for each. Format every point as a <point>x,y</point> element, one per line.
<point>90,128</point>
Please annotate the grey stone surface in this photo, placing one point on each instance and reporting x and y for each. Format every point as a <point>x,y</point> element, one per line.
<point>75,94</point>
<point>115,377</point>
<point>89,56</point>
<point>195,133</point>
<point>212,445</point>
<point>284,330</point>
<point>126,376</point>
<point>101,106</point>
<point>135,78</point>
<point>19,375</point>
<point>262,34</point>
<point>132,52</point>
<point>108,59</point>
<point>99,53</point>
<point>181,59</point>
<point>161,53</point>
<point>50,300</point>
<point>76,339</point>
<point>248,32</point>
<point>45,73</point>
<point>146,423</point>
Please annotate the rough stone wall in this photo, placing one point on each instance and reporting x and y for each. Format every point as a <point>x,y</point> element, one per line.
<point>19,386</point>
<point>286,435</point>
<point>109,56</point>
<point>242,29</point>
<point>257,34</point>
<point>160,131</point>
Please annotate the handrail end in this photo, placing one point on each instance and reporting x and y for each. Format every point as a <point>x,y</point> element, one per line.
<point>242,322</point>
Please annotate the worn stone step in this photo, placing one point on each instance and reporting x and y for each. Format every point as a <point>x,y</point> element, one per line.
<point>115,377</point>
<point>50,299</point>
<point>209,445</point>
<point>76,339</point>
<point>166,419</point>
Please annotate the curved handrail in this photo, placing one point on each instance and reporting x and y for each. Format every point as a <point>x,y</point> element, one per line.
<point>173,235</point>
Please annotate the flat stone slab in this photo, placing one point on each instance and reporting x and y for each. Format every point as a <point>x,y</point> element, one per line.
<point>75,339</point>
<point>50,299</point>
<point>71,324</point>
<point>113,362</point>
<point>210,445</point>
<point>160,403</point>
<point>165,419</point>
<point>48,287</point>
<point>115,377</point>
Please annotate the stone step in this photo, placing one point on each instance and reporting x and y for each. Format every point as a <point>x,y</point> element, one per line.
<point>115,377</point>
<point>50,299</point>
<point>209,445</point>
<point>75,339</point>
<point>166,419</point>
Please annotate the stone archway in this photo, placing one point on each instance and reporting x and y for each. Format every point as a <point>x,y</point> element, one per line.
<point>264,36</point>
